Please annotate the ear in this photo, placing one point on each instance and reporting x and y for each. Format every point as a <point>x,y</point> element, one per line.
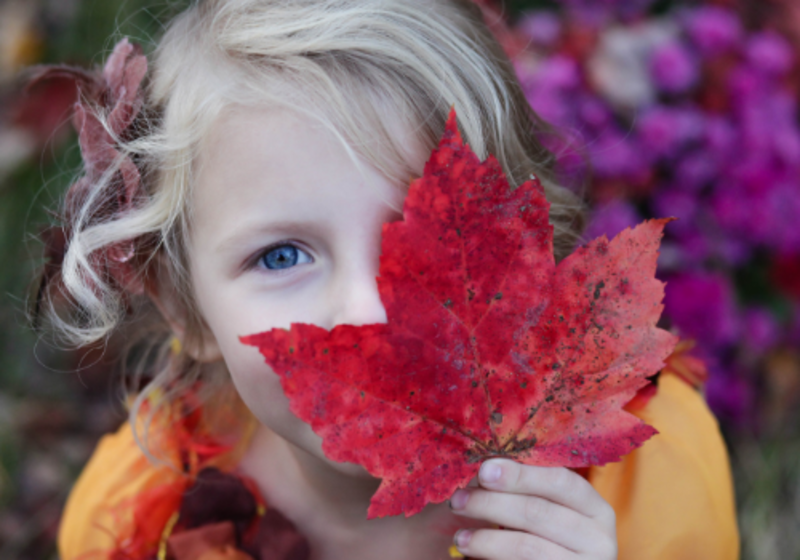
<point>201,346</point>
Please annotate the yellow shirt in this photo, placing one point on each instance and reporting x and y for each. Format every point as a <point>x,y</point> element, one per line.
<point>673,496</point>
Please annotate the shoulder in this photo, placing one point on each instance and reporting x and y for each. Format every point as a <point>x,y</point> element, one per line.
<point>129,504</point>
<point>96,510</point>
<point>674,495</point>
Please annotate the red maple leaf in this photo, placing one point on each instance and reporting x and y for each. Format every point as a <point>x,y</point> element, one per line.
<point>490,348</point>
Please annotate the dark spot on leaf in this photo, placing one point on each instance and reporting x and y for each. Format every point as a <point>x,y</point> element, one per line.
<point>600,286</point>
<point>574,452</point>
<point>497,418</point>
<point>498,295</point>
<point>474,384</point>
<point>448,303</point>
<point>549,398</point>
<point>523,384</point>
<point>291,349</point>
<point>325,351</point>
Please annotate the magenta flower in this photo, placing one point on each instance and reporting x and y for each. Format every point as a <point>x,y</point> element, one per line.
<point>770,53</point>
<point>721,137</point>
<point>542,27</point>
<point>598,12</point>
<point>677,204</point>
<point>695,170</point>
<point>674,68</point>
<point>713,30</point>
<point>611,218</point>
<point>701,305</point>
<point>694,244</point>
<point>730,396</point>
<point>761,331</point>
<point>663,131</point>
<point>614,155</point>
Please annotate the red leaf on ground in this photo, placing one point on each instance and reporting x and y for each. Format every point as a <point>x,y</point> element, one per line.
<point>490,348</point>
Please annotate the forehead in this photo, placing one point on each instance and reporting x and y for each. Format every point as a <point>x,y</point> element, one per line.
<point>277,167</point>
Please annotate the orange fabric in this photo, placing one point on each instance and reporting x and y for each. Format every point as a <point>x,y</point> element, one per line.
<point>673,496</point>
<point>116,473</point>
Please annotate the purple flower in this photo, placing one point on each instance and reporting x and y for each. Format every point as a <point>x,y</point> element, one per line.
<point>542,27</point>
<point>611,218</point>
<point>713,29</point>
<point>551,87</point>
<point>786,142</point>
<point>745,86</point>
<point>600,11</point>
<point>674,68</point>
<point>695,170</point>
<point>558,72</point>
<point>694,245</point>
<point>594,112</point>
<point>676,204</point>
<point>770,53</point>
<point>761,331</point>
<point>701,305</point>
<point>729,396</point>
<point>663,131</point>
<point>730,250</point>
<point>614,155</point>
<point>782,207</point>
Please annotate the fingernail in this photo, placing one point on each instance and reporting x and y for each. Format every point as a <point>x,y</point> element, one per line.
<point>459,499</point>
<point>490,472</point>
<point>462,538</point>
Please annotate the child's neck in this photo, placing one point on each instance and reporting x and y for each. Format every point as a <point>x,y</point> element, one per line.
<point>329,508</point>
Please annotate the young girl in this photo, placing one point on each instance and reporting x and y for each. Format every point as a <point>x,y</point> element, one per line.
<point>245,189</point>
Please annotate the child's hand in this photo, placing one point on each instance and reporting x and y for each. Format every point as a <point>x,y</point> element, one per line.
<point>547,513</point>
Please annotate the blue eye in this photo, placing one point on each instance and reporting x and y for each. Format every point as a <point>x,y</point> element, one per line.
<point>284,256</point>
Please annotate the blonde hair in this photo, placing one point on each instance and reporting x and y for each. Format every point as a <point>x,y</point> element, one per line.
<point>356,59</point>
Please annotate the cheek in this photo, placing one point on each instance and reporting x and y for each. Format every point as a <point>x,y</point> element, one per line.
<point>257,384</point>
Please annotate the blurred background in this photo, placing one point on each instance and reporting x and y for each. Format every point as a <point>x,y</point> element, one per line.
<point>660,108</point>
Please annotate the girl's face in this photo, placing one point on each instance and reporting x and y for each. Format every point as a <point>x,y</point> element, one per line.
<point>286,229</point>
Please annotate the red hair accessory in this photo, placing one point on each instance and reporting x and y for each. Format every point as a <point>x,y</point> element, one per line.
<point>115,93</point>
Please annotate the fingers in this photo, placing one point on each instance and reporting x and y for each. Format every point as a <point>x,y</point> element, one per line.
<point>555,507</point>
<point>508,545</point>
<point>531,514</point>
<point>557,484</point>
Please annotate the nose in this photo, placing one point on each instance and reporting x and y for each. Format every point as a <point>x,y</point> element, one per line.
<point>355,298</point>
